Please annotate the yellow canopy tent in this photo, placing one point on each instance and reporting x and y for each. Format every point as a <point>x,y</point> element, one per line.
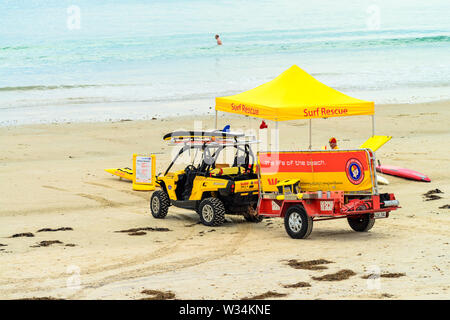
<point>292,95</point>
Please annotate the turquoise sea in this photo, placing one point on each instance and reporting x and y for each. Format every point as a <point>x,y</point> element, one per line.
<point>92,60</point>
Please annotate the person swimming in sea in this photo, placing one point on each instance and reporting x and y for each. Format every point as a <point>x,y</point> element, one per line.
<point>219,42</point>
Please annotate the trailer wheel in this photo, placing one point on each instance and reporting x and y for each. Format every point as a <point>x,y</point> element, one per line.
<point>362,223</point>
<point>212,212</point>
<point>297,223</point>
<point>159,204</point>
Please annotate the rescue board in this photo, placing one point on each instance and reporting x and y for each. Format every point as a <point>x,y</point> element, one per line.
<point>382,180</point>
<point>403,173</point>
<point>202,134</point>
<point>125,173</point>
<point>375,142</point>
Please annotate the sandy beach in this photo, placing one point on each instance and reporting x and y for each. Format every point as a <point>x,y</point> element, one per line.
<point>52,177</point>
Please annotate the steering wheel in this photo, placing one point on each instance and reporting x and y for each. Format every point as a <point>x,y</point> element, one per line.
<point>190,168</point>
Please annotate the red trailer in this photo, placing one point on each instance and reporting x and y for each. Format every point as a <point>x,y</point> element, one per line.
<point>307,186</point>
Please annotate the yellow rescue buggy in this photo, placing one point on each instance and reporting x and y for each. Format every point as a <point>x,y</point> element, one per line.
<point>210,188</point>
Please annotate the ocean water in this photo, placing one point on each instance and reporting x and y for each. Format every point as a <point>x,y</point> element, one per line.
<point>126,59</point>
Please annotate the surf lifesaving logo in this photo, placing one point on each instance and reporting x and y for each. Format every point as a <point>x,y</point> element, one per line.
<point>354,171</point>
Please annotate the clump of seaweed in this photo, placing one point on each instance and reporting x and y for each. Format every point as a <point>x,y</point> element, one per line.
<point>158,295</point>
<point>338,276</point>
<point>297,285</point>
<point>265,295</point>
<point>309,265</point>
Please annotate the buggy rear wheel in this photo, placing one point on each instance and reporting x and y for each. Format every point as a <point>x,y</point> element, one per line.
<point>251,215</point>
<point>159,204</point>
<point>212,212</point>
<point>297,223</point>
<point>251,218</point>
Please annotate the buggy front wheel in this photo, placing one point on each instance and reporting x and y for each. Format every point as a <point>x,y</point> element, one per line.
<point>159,204</point>
<point>297,223</point>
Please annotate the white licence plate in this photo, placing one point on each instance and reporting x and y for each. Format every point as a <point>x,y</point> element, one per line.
<point>380,215</point>
<point>326,205</point>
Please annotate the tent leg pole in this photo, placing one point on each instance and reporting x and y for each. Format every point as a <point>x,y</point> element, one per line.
<point>277,141</point>
<point>310,142</point>
<point>215,122</point>
<point>373,125</point>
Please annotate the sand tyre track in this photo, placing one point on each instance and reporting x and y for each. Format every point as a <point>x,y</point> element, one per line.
<point>297,223</point>
<point>212,212</point>
<point>362,223</point>
<point>159,204</point>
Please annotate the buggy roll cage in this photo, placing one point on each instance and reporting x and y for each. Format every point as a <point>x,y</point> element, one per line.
<point>209,159</point>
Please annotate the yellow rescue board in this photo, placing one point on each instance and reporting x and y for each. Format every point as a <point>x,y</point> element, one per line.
<point>125,173</point>
<point>375,142</point>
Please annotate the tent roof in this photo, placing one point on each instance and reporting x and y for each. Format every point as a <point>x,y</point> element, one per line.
<point>294,94</point>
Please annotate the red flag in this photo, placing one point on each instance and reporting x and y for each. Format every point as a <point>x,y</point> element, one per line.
<point>263,125</point>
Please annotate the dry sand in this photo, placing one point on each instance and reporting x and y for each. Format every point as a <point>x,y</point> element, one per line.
<point>52,176</point>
